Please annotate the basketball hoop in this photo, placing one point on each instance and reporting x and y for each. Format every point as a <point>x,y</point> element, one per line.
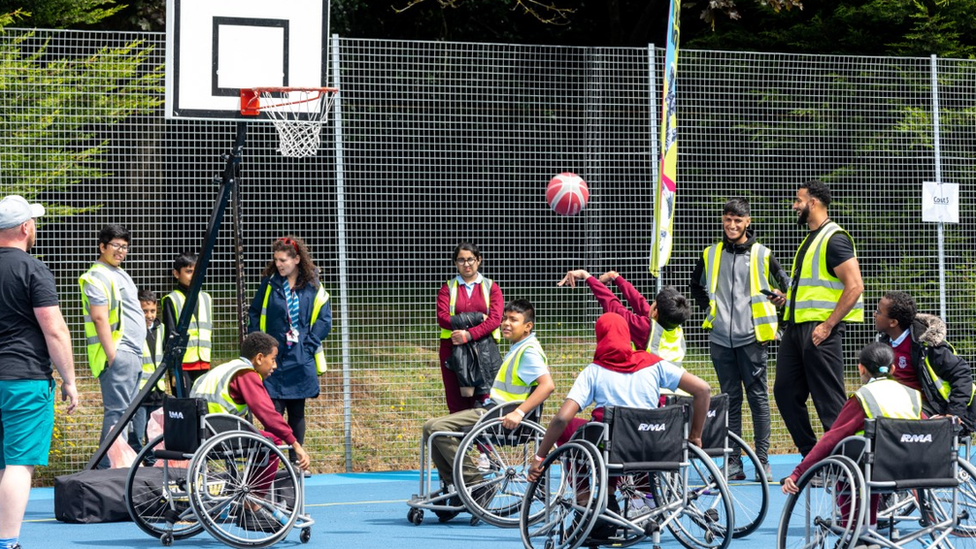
<point>297,113</point>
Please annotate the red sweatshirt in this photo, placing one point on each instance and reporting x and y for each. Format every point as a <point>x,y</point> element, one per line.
<point>473,304</point>
<point>247,388</point>
<point>638,321</point>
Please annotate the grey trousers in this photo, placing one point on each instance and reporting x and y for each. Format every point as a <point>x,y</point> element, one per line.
<point>745,367</point>
<point>119,382</point>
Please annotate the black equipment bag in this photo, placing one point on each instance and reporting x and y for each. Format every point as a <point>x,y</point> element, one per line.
<point>92,497</point>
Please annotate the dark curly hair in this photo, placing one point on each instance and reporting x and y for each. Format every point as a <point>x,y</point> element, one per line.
<point>295,247</point>
<point>901,307</point>
<point>817,189</point>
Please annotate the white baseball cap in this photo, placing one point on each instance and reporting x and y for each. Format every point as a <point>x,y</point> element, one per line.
<point>15,209</point>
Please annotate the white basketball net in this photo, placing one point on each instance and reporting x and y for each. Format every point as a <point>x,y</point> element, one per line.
<point>298,116</point>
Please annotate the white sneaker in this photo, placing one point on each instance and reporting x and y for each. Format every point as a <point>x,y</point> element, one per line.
<point>484,465</point>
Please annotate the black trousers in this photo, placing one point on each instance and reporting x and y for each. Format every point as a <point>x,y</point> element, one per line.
<point>740,367</point>
<point>293,410</point>
<point>805,370</point>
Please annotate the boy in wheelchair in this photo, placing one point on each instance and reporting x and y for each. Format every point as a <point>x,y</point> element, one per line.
<point>621,376</point>
<point>237,388</point>
<point>523,375</point>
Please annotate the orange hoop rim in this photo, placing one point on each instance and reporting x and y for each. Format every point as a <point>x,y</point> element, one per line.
<point>251,97</point>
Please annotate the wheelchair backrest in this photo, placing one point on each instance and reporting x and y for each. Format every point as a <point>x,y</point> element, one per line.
<point>183,427</point>
<point>654,437</point>
<point>716,428</point>
<point>910,449</point>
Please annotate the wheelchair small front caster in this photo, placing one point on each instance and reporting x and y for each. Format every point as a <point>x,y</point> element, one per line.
<point>415,516</point>
<point>305,535</point>
<point>166,539</point>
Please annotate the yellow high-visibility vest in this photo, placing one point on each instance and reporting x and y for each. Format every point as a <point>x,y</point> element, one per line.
<point>888,398</point>
<point>508,385</point>
<point>200,331</point>
<point>818,291</point>
<point>321,298</point>
<point>214,387</point>
<point>148,364</point>
<point>100,276</point>
<point>667,344</point>
<point>452,287</point>
<point>764,318</point>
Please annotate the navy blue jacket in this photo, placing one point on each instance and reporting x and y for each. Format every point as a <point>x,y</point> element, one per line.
<point>295,376</point>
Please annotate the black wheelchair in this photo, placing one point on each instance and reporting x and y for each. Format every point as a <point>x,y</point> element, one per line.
<point>215,472</point>
<point>750,496</point>
<point>490,471</point>
<point>909,471</point>
<point>622,480</point>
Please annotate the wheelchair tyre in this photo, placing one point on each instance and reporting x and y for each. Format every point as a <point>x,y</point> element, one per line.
<point>937,504</point>
<point>497,496</point>
<point>306,535</point>
<point>156,491</point>
<point>415,516</point>
<point>239,495</point>
<point>706,517</point>
<point>750,500</point>
<point>571,494</point>
<point>820,514</point>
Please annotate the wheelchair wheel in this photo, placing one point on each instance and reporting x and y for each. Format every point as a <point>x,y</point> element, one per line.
<point>937,505</point>
<point>499,458</point>
<point>750,499</point>
<point>243,490</point>
<point>570,493</point>
<point>706,518</point>
<point>157,498</point>
<point>829,508</point>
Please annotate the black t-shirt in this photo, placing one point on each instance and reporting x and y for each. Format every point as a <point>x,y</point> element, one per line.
<point>25,284</point>
<point>840,248</point>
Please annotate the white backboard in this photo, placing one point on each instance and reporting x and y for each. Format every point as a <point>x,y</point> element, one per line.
<point>216,47</point>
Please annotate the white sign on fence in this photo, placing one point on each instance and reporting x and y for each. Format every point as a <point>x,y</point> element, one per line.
<point>940,202</point>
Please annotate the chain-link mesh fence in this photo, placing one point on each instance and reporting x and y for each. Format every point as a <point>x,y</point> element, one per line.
<point>446,142</point>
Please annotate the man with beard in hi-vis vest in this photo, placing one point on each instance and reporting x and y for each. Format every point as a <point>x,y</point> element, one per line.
<point>824,294</point>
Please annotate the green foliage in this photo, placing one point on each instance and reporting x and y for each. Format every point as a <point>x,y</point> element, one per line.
<point>60,14</point>
<point>57,104</point>
<point>860,27</point>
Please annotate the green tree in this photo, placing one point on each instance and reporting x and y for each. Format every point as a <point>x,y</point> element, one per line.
<point>58,103</point>
<point>61,14</point>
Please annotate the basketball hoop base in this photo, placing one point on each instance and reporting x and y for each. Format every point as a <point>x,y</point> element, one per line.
<point>298,115</point>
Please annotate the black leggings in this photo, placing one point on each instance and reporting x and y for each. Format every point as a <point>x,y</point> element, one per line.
<point>295,409</point>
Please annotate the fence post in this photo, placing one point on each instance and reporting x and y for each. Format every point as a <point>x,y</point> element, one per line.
<point>937,144</point>
<point>343,260</point>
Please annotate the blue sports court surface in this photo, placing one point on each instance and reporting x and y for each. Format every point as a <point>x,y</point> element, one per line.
<point>361,511</point>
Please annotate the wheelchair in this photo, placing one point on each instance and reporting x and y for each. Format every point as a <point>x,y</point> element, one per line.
<point>620,481</point>
<point>500,460</point>
<point>910,469</point>
<point>750,498</point>
<point>215,472</point>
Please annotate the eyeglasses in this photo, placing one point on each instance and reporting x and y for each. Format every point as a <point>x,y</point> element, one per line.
<point>466,260</point>
<point>119,247</point>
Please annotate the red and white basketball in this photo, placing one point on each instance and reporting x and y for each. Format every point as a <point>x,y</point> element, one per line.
<point>567,194</point>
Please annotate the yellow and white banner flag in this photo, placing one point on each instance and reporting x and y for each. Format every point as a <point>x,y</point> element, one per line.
<point>668,173</point>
